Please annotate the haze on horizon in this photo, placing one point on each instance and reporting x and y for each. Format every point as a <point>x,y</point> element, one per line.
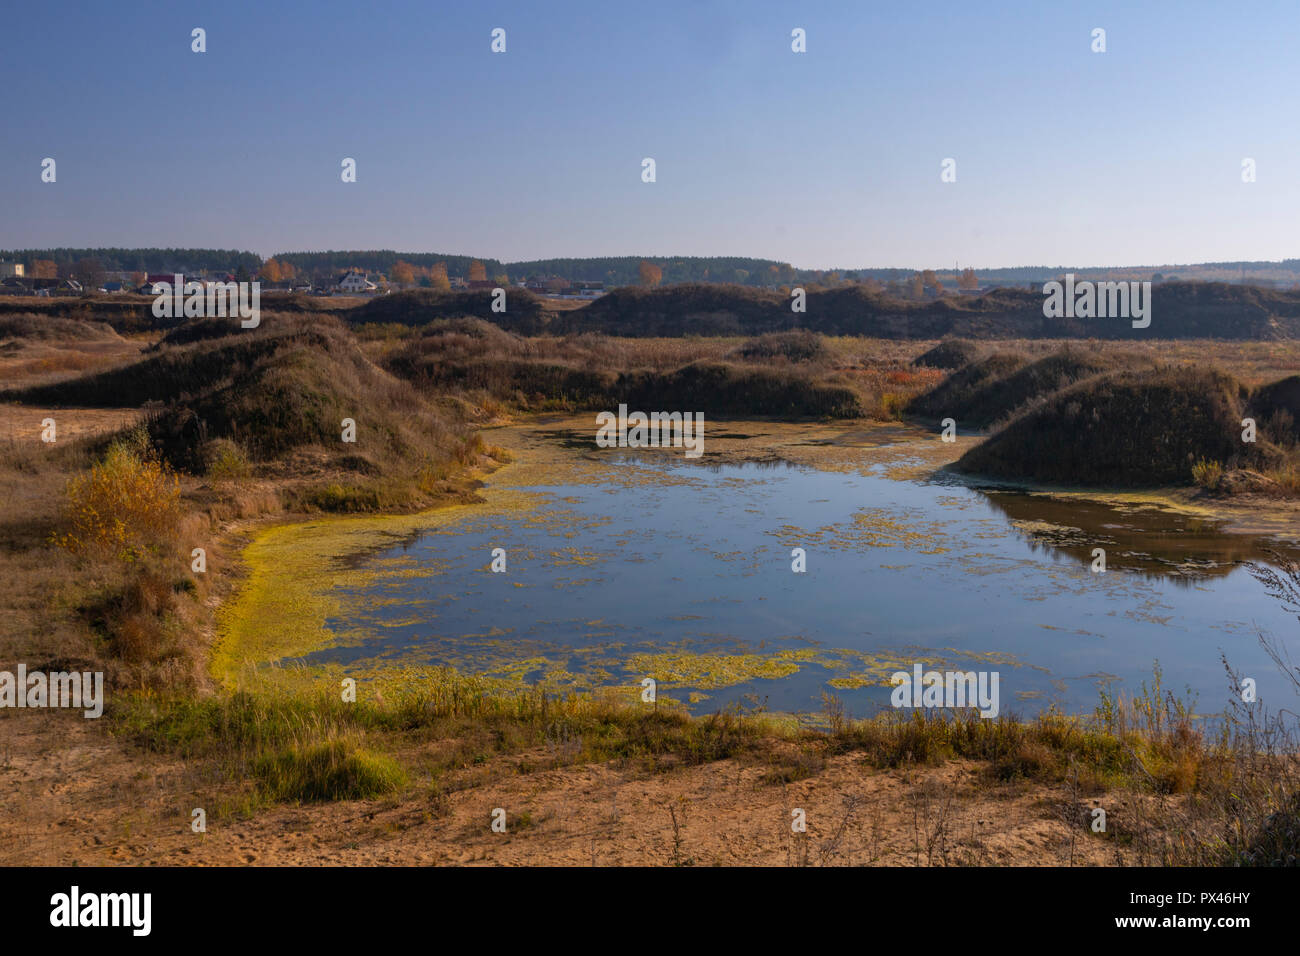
<point>825,159</point>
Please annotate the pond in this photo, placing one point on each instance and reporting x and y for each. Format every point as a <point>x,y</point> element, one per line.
<point>664,568</point>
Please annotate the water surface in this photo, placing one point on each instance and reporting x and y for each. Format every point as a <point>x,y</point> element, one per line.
<point>664,568</point>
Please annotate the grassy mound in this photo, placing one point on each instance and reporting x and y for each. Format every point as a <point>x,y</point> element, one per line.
<point>1129,428</point>
<point>719,388</point>
<point>462,338</point>
<point>1001,397</point>
<point>1181,309</point>
<point>956,395</point>
<point>689,308</point>
<point>48,328</point>
<point>525,313</point>
<point>206,330</point>
<point>952,353</point>
<point>590,372</point>
<point>468,355</point>
<point>280,390</point>
<point>797,345</point>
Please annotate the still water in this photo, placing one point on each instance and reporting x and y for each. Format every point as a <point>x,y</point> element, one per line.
<point>685,575</point>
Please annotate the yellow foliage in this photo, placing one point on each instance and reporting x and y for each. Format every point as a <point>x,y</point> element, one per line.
<point>124,507</point>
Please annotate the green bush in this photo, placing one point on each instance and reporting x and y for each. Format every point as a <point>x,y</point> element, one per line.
<point>227,461</point>
<point>335,770</point>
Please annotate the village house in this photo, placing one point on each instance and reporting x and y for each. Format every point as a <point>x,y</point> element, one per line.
<point>356,282</point>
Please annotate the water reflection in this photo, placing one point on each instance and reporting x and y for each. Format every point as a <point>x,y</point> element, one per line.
<point>1146,539</point>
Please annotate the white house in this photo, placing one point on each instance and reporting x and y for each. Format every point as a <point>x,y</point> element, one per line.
<point>356,282</point>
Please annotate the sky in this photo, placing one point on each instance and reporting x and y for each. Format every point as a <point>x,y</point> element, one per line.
<point>830,158</point>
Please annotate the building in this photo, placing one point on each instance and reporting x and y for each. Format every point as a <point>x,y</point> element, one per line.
<point>356,282</point>
<point>8,269</point>
<point>31,285</point>
<point>546,285</point>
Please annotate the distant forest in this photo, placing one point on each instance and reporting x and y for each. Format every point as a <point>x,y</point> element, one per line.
<point>143,260</point>
<point>321,267</point>
<point>620,270</point>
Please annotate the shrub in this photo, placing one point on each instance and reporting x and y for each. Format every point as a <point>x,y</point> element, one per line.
<point>227,461</point>
<point>138,619</point>
<point>335,770</point>
<point>1207,474</point>
<point>126,506</point>
<point>341,498</point>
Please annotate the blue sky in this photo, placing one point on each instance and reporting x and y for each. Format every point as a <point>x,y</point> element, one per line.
<point>829,158</point>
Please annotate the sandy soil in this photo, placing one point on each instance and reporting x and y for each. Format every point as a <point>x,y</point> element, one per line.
<point>72,794</point>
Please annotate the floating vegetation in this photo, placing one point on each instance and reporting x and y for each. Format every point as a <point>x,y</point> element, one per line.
<point>599,595</point>
<point>871,528</point>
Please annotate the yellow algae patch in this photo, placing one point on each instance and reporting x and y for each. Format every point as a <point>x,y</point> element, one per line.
<point>573,557</point>
<point>713,671</point>
<point>296,574</point>
<point>877,669</point>
<point>871,528</point>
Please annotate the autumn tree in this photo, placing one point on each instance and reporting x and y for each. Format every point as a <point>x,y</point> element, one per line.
<point>967,281</point>
<point>270,271</point>
<point>438,276</point>
<point>477,271</point>
<point>401,273</point>
<point>649,273</point>
<point>43,269</point>
<point>930,280</point>
<point>138,279</point>
<point>916,286</point>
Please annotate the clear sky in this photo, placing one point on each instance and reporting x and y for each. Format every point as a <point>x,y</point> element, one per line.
<point>830,158</point>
